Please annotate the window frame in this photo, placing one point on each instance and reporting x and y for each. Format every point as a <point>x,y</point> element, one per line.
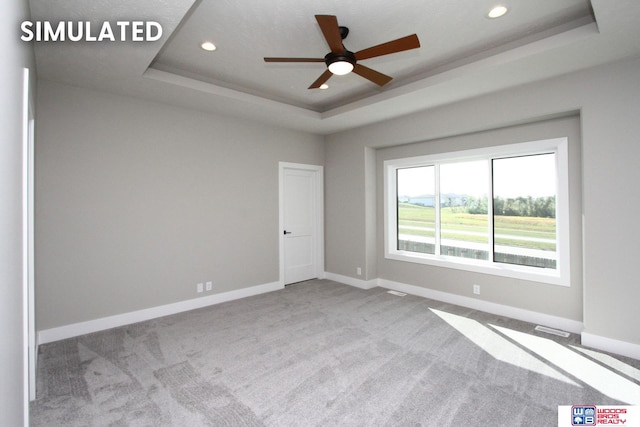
<point>559,276</point>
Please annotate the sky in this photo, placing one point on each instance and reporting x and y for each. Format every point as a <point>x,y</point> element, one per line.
<point>513,177</point>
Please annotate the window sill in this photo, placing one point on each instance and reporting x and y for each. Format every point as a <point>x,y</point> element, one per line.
<point>548,276</point>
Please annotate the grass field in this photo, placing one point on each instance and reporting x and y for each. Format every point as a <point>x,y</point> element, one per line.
<point>509,230</point>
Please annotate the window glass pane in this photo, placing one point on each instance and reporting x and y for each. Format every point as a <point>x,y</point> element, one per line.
<point>464,221</point>
<point>524,204</point>
<point>416,209</point>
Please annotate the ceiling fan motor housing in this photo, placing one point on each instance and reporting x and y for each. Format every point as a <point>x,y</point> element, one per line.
<point>340,63</point>
<point>347,56</point>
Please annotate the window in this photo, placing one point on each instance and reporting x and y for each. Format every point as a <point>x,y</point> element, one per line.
<point>500,210</point>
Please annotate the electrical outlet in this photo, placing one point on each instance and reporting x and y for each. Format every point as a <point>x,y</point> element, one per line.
<point>199,287</point>
<point>476,289</point>
<point>209,286</point>
<point>359,271</point>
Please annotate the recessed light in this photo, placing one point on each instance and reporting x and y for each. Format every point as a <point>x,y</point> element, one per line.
<point>324,86</point>
<point>497,12</point>
<point>208,46</point>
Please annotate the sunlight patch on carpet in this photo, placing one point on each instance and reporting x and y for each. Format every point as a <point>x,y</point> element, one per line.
<point>597,376</point>
<point>499,347</point>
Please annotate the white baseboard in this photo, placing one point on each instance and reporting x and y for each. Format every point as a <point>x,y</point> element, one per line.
<point>489,307</point>
<point>76,329</point>
<point>611,345</point>
<point>590,340</point>
<point>358,283</point>
<point>622,348</point>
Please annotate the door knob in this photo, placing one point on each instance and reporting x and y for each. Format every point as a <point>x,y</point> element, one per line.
<point>287,232</point>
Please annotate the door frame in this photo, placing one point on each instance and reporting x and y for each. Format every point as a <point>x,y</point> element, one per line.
<point>318,227</point>
<point>28,254</point>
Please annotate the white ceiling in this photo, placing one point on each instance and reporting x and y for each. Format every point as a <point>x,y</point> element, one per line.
<point>463,53</point>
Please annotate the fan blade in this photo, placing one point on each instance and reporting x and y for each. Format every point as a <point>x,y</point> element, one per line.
<point>373,75</point>
<point>399,45</point>
<point>293,59</point>
<point>322,79</point>
<point>329,26</point>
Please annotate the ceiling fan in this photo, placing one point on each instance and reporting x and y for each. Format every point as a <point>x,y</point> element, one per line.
<point>341,61</point>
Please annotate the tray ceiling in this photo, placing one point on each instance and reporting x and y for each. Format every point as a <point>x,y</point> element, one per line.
<point>463,53</point>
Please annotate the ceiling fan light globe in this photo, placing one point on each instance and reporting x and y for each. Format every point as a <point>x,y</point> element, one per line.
<point>340,68</point>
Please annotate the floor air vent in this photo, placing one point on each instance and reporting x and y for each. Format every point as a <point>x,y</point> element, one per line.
<point>552,331</point>
<point>396,293</point>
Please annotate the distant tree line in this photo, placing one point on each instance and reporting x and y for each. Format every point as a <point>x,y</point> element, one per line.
<point>541,207</point>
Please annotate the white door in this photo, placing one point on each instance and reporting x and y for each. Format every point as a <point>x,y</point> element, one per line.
<point>301,216</point>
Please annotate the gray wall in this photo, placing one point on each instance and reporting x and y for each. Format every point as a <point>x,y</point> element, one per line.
<point>136,202</point>
<point>608,99</point>
<point>15,56</point>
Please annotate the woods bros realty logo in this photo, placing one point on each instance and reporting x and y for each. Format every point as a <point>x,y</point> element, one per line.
<point>592,415</point>
<point>86,31</point>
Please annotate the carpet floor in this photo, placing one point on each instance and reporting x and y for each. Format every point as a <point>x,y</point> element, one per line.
<point>320,353</point>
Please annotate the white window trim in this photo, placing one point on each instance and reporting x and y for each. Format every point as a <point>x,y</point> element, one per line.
<point>559,276</point>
